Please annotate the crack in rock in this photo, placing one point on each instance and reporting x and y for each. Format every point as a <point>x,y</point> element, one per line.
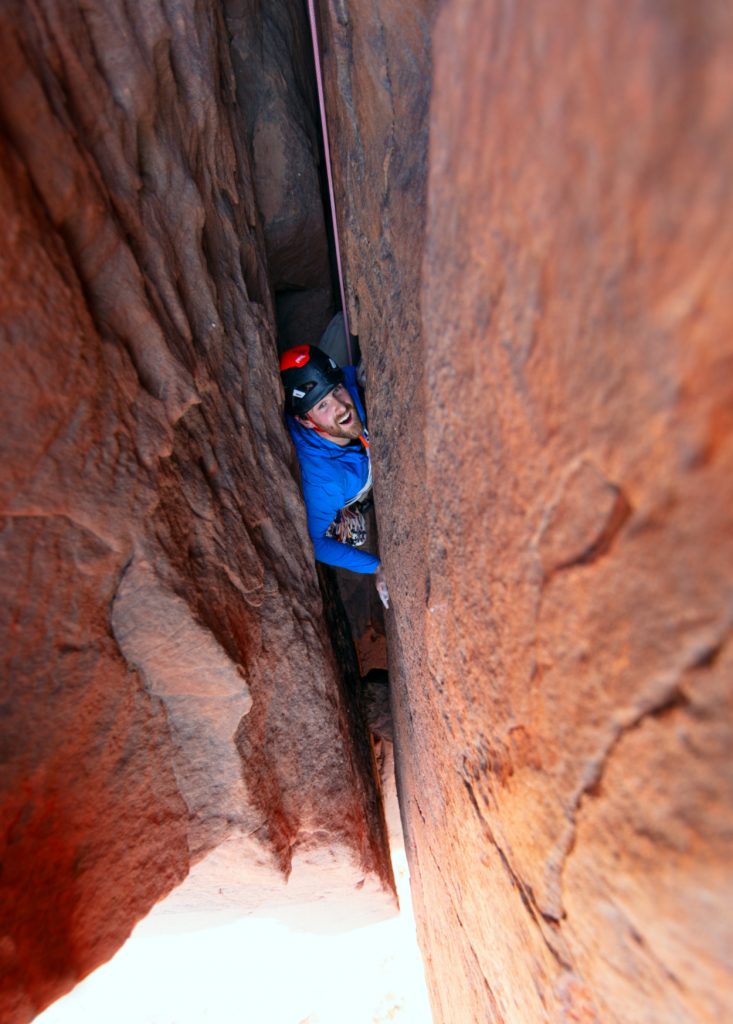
<point>669,699</point>
<point>553,940</point>
<point>583,520</point>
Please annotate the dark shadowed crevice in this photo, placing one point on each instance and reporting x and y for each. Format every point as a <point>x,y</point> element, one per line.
<point>354,692</point>
<point>277,97</point>
<point>276,92</point>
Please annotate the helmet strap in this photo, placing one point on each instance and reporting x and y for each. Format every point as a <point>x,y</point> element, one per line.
<point>319,430</point>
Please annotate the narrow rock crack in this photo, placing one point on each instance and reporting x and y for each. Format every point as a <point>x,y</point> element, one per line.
<point>672,698</point>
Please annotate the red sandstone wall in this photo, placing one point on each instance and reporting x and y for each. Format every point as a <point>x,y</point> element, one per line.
<point>167,685</point>
<point>553,441</point>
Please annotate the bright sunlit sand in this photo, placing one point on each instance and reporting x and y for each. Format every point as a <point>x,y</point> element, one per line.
<point>259,971</point>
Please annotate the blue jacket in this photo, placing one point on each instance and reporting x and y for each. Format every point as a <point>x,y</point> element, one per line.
<point>331,476</point>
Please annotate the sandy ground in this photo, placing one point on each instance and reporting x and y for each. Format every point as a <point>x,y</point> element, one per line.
<point>259,971</point>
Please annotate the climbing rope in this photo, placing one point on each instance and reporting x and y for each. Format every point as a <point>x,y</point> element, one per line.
<point>329,176</point>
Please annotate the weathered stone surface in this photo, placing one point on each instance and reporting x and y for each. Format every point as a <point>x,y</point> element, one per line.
<point>94,827</point>
<point>549,361</point>
<point>377,67</point>
<point>168,690</point>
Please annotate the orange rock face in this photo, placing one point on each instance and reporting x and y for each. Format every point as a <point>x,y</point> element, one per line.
<point>551,391</point>
<point>171,704</point>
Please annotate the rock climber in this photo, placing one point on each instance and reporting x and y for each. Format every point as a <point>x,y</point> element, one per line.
<point>327,423</point>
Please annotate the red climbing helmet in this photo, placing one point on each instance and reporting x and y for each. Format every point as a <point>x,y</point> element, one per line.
<point>308,375</point>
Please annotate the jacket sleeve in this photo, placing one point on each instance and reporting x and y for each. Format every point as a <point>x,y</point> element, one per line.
<point>323,500</point>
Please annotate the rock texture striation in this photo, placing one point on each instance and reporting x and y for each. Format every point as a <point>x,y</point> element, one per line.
<point>549,362</point>
<point>171,706</point>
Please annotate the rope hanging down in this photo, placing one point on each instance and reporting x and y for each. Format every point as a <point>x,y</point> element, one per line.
<point>329,176</point>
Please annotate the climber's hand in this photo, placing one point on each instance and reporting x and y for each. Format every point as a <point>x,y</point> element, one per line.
<point>381,581</point>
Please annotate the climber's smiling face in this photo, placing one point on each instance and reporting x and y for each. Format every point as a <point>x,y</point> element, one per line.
<point>335,417</point>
